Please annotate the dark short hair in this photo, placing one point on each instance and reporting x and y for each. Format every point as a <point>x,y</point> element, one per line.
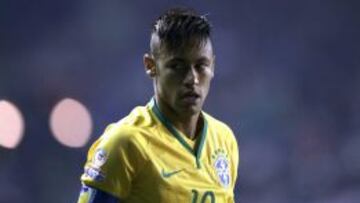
<point>176,26</point>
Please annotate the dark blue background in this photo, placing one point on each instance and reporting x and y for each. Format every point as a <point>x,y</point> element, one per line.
<point>287,82</point>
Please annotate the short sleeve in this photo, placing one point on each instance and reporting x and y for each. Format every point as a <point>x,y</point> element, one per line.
<point>114,160</point>
<point>234,151</point>
<point>234,157</point>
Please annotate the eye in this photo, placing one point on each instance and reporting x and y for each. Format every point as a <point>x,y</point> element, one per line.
<point>177,66</point>
<point>201,66</point>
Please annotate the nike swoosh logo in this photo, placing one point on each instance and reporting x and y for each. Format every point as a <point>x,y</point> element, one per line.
<point>169,174</point>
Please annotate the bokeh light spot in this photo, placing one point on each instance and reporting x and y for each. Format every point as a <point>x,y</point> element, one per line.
<point>71,123</point>
<point>11,125</point>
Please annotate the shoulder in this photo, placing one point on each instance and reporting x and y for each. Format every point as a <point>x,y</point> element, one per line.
<point>220,129</point>
<point>217,125</point>
<point>138,122</point>
<point>131,132</point>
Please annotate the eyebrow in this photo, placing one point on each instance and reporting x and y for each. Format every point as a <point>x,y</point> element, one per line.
<point>203,59</point>
<point>178,59</point>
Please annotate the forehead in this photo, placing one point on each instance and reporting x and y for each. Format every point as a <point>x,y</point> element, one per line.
<point>188,50</point>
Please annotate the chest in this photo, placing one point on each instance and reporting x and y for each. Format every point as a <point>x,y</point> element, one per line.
<point>175,174</point>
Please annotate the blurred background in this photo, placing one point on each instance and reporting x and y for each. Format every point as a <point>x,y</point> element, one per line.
<point>287,82</point>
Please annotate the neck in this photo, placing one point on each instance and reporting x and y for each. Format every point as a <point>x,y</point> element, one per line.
<point>190,125</point>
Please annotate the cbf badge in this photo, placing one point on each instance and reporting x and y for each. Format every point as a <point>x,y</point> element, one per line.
<point>93,171</point>
<point>221,166</point>
<point>99,158</point>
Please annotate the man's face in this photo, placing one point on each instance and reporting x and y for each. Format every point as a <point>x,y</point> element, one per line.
<point>183,76</point>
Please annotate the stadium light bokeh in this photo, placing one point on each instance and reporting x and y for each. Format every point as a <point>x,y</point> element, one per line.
<point>11,125</point>
<point>71,123</point>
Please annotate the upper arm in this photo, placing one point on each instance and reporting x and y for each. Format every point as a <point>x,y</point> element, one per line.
<point>113,162</point>
<point>234,154</point>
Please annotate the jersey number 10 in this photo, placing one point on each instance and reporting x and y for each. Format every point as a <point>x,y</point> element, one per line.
<point>207,195</point>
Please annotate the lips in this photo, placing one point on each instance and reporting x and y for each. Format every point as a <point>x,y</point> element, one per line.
<point>191,94</point>
<point>191,97</point>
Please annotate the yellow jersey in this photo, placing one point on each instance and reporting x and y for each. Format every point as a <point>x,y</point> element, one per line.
<point>144,158</point>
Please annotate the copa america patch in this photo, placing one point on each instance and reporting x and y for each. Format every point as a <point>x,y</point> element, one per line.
<point>221,166</point>
<point>99,158</point>
<point>94,174</point>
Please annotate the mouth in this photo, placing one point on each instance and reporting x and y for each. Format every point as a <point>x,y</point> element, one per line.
<point>190,97</point>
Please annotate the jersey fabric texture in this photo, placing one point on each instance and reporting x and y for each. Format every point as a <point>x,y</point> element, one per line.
<point>144,158</point>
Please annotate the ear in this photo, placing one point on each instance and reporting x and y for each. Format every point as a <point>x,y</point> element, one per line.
<point>150,65</point>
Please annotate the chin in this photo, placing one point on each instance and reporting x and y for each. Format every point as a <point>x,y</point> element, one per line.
<point>190,110</point>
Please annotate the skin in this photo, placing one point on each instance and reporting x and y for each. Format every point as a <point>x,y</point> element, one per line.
<point>182,79</point>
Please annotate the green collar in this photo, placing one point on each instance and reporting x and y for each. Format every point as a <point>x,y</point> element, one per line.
<point>201,140</point>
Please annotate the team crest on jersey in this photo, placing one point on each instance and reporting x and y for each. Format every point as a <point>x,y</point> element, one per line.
<point>99,158</point>
<point>221,166</point>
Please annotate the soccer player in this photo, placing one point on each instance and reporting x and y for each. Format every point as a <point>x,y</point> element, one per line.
<point>169,151</point>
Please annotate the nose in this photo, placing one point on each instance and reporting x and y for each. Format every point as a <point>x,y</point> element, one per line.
<point>192,77</point>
